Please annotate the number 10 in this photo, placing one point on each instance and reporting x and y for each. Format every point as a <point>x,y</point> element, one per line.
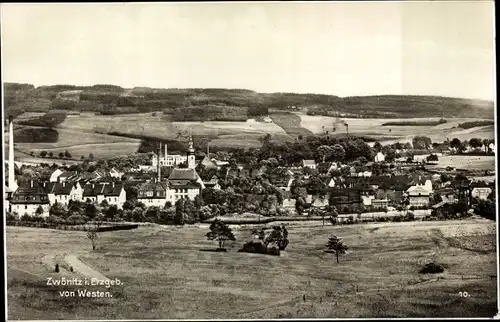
<point>464,294</point>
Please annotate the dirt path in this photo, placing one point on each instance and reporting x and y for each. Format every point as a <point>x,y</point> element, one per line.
<point>82,268</point>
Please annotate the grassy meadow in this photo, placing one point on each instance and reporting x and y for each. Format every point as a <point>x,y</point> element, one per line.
<point>172,272</point>
<point>467,162</point>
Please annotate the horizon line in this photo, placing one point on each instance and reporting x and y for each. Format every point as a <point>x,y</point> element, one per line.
<point>252,90</point>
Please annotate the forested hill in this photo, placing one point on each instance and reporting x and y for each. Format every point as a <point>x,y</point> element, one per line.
<point>110,99</point>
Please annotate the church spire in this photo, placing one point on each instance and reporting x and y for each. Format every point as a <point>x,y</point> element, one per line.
<point>190,155</point>
<point>191,147</point>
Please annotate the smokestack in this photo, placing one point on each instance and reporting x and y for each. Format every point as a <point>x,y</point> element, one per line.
<point>31,183</point>
<point>12,179</point>
<point>165,152</point>
<point>158,165</point>
<point>208,150</point>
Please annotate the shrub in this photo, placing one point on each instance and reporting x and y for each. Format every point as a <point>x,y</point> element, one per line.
<point>432,268</point>
<point>397,219</point>
<point>254,247</point>
<point>273,250</point>
<point>11,217</point>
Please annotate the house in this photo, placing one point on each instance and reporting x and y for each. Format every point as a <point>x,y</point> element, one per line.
<point>421,158</point>
<point>365,173</point>
<point>153,193</point>
<point>281,177</point>
<point>63,192</point>
<point>220,163</point>
<point>380,203</point>
<point>330,182</point>
<point>367,200</point>
<point>184,183</point>
<point>267,119</point>
<point>481,192</point>
<point>448,195</point>
<point>491,147</point>
<point>345,199</point>
<point>66,176</point>
<point>207,163</point>
<point>379,157</point>
<point>319,202</point>
<point>333,167</point>
<point>113,173</point>
<point>289,203</point>
<point>418,196</point>
<point>28,198</point>
<point>311,164</point>
<point>55,175</point>
<point>97,175</point>
<point>113,193</point>
<point>210,179</point>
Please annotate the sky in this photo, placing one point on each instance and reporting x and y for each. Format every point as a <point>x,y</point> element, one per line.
<point>345,49</point>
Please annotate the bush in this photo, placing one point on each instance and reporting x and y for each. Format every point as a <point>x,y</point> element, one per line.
<point>410,216</point>
<point>254,247</point>
<point>397,218</point>
<point>258,247</point>
<point>273,250</point>
<point>432,268</point>
<point>11,217</point>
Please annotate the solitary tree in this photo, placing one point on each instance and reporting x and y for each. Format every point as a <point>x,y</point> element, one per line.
<point>43,154</point>
<point>67,154</point>
<point>92,235</point>
<point>220,232</point>
<point>51,154</point>
<point>336,246</point>
<point>61,155</point>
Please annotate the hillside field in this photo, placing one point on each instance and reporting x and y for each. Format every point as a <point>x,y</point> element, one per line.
<point>374,128</point>
<point>467,162</point>
<point>171,272</point>
<point>90,132</point>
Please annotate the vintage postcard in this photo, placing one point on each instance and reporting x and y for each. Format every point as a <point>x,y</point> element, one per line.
<point>249,160</point>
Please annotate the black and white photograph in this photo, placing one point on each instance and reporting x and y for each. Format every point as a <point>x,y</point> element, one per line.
<point>249,160</point>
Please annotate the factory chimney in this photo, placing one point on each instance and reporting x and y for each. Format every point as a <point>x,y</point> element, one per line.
<point>12,178</point>
<point>158,164</point>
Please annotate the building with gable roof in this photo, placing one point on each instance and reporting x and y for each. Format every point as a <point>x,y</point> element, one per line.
<point>113,192</point>
<point>153,193</point>
<point>418,196</point>
<point>28,197</point>
<point>309,164</point>
<point>184,183</point>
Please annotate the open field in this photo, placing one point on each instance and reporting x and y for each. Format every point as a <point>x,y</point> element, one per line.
<point>224,128</point>
<point>170,272</point>
<point>467,162</point>
<point>138,124</point>
<point>290,122</point>
<point>224,134</point>
<point>81,144</point>
<point>374,128</point>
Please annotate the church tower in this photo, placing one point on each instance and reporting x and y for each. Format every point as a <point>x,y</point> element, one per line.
<point>190,155</point>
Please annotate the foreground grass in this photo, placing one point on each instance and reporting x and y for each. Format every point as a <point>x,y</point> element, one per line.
<point>170,272</point>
